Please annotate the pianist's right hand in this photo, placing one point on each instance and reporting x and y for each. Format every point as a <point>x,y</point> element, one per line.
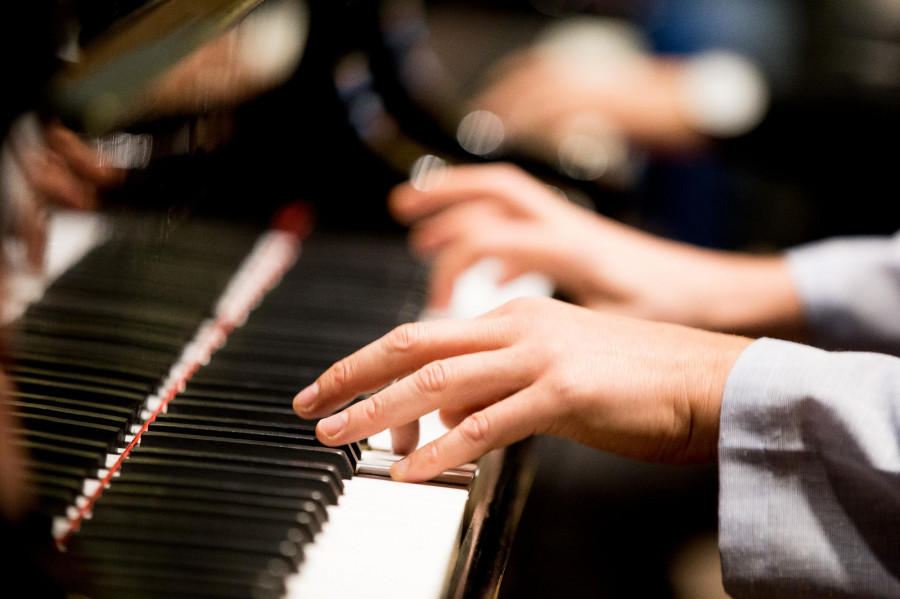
<point>642,389</point>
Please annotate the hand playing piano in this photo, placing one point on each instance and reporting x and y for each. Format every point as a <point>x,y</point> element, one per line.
<point>499,211</point>
<point>637,388</point>
<point>52,167</point>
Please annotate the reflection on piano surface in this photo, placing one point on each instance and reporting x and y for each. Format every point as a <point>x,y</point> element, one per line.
<point>152,376</point>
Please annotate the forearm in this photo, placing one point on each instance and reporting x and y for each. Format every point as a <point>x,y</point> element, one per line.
<point>659,279</point>
<point>850,290</point>
<point>809,473</point>
<point>750,295</point>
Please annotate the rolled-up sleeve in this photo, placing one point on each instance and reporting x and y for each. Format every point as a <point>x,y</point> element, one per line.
<point>850,289</point>
<point>809,457</point>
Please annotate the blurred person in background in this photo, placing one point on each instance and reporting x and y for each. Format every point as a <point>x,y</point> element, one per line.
<point>737,124</point>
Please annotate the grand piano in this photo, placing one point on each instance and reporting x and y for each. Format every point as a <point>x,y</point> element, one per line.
<point>153,361</point>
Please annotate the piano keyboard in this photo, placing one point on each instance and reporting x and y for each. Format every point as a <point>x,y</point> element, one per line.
<point>171,474</point>
<point>154,380</point>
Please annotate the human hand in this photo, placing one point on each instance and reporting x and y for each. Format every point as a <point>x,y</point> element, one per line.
<point>49,166</point>
<point>499,211</point>
<point>640,389</point>
<point>543,98</point>
<point>66,172</point>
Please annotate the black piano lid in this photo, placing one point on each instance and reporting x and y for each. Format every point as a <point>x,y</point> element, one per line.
<point>92,94</point>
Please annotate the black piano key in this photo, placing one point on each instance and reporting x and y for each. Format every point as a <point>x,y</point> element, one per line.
<point>293,473</point>
<point>275,405</point>
<point>59,423</point>
<point>77,390</point>
<point>227,409</point>
<point>64,455</point>
<point>301,491</point>
<point>115,410</point>
<point>47,374</point>
<point>157,533</point>
<point>28,408</point>
<point>53,501</point>
<point>239,372</point>
<point>289,510</point>
<point>139,310</point>
<point>48,349</point>
<point>60,470</point>
<point>301,426</point>
<point>231,448</point>
<point>258,389</point>
<point>117,580</point>
<point>70,485</point>
<point>75,442</point>
<point>62,325</point>
<point>239,433</point>
<point>93,552</point>
<point>62,363</point>
<point>243,394</point>
<point>200,518</point>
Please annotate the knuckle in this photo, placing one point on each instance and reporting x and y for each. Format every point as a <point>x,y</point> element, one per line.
<point>475,429</point>
<point>566,387</point>
<point>405,337</point>
<point>341,372</point>
<point>429,456</point>
<point>426,458</point>
<point>374,407</point>
<point>433,377</point>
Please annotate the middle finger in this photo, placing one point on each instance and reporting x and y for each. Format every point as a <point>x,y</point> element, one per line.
<point>467,382</point>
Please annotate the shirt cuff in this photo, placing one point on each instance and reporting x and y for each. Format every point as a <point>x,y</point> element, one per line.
<point>794,421</point>
<point>850,289</point>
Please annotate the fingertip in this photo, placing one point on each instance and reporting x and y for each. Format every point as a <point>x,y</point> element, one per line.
<point>405,439</point>
<point>399,470</point>
<point>328,429</point>
<point>399,202</point>
<point>305,400</point>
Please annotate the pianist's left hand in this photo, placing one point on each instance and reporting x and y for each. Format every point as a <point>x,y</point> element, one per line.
<point>499,211</point>
<point>52,167</point>
<point>641,389</point>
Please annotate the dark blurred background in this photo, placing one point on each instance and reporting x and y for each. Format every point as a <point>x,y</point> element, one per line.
<point>381,84</point>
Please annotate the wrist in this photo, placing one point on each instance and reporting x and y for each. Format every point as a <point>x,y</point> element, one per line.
<point>755,296</point>
<point>717,359</point>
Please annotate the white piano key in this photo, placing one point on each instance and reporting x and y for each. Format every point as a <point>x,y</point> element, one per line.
<point>383,539</point>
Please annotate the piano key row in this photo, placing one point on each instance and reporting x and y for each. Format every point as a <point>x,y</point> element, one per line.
<point>85,358</point>
<point>227,473</point>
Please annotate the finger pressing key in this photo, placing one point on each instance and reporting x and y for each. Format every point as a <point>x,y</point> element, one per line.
<point>403,350</point>
<point>498,425</point>
<point>466,383</point>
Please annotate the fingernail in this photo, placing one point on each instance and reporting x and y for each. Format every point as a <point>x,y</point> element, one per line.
<point>305,398</point>
<point>398,470</point>
<point>333,424</point>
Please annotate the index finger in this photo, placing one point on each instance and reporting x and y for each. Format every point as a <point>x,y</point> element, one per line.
<point>405,349</point>
<point>505,184</point>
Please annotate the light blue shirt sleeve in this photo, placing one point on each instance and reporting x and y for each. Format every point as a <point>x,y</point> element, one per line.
<point>809,458</point>
<point>850,288</point>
